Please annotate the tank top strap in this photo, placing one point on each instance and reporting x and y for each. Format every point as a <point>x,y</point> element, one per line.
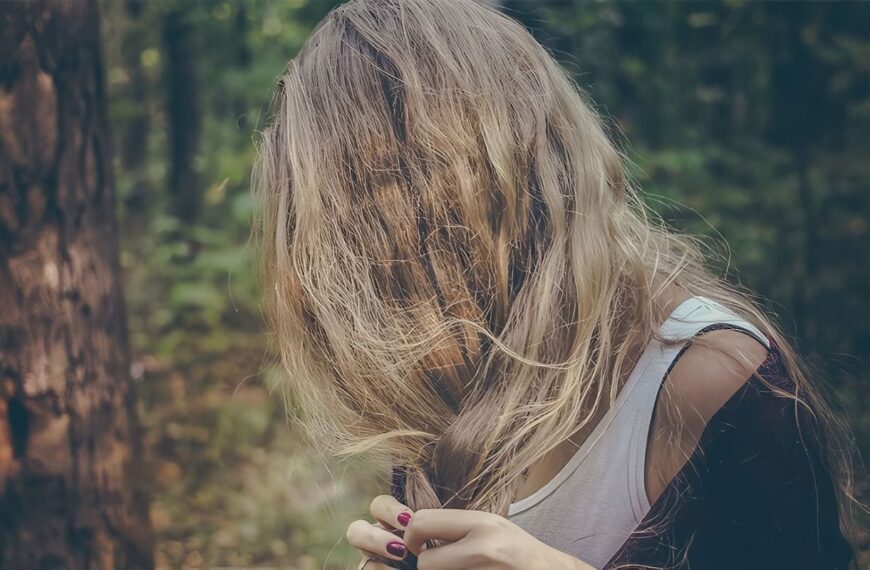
<point>698,313</point>
<point>687,320</point>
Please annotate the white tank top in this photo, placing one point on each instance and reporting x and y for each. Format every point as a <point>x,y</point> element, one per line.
<point>598,498</point>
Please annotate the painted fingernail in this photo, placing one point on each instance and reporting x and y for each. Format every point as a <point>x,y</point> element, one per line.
<point>404,518</point>
<point>396,548</point>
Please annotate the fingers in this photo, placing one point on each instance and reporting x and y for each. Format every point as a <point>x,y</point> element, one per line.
<point>389,512</point>
<point>442,524</point>
<point>373,539</point>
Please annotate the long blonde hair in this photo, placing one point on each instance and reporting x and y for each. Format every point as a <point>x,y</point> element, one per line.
<point>455,264</point>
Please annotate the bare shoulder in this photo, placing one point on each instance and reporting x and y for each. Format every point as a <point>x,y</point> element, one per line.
<point>707,374</point>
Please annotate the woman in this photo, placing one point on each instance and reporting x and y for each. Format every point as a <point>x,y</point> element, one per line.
<point>462,282</point>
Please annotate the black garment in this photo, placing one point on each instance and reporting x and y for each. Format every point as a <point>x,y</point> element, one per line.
<point>755,494</point>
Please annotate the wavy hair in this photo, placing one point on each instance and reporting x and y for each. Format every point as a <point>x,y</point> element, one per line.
<point>455,265</point>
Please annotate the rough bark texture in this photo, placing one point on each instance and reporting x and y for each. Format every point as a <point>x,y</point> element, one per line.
<point>69,444</point>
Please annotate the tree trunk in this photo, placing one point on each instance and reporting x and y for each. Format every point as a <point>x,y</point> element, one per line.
<point>69,445</point>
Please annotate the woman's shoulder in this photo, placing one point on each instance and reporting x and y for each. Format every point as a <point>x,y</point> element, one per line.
<point>732,410</point>
<point>755,491</point>
<point>708,372</point>
<point>728,391</point>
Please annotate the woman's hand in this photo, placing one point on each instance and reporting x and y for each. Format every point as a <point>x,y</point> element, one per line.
<point>380,539</point>
<point>474,540</point>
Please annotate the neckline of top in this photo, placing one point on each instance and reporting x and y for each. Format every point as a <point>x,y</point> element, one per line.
<point>681,311</point>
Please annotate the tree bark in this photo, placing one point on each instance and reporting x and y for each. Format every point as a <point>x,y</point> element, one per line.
<point>69,443</point>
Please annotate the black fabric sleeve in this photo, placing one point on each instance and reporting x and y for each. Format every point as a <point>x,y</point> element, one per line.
<point>756,493</point>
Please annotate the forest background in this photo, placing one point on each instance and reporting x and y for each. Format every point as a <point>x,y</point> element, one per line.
<point>748,123</point>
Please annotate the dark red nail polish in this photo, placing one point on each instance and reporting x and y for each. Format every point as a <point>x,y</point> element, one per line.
<point>396,548</point>
<point>404,518</point>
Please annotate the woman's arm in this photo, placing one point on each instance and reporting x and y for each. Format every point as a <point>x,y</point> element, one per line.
<point>755,494</point>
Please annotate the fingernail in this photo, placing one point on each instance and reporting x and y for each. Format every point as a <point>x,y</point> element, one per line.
<point>404,518</point>
<point>396,548</point>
